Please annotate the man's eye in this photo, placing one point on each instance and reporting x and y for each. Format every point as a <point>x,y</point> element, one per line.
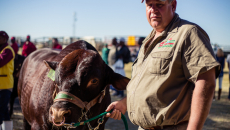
<point>159,5</point>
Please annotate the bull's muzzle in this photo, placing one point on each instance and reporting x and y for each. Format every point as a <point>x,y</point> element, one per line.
<point>58,116</point>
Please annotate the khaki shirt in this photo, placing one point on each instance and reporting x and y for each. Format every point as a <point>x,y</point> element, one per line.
<point>160,90</point>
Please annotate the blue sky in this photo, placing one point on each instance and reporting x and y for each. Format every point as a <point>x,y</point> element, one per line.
<point>102,18</point>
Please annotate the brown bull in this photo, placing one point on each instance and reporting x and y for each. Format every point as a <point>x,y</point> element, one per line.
<point>80,75</point>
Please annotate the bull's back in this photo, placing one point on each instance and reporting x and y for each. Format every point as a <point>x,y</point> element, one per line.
<point>32,78</point>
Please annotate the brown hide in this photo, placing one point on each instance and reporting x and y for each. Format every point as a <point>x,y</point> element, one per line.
<point>79,70</point>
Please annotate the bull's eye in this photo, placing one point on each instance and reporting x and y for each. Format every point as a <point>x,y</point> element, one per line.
<point>94,81</point>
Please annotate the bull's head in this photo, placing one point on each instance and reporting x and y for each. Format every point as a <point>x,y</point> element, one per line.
<point>82,75</point>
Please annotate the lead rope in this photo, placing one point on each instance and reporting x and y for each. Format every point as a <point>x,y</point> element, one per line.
<point>74,125</point>
<point>100,121</point>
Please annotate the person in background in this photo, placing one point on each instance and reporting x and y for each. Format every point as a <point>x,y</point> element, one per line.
<point>112,60</point>
<point>112,53</point>
<point>105,53</point>
<point>6,80</point>
<point>121,53</point>
<point>228,61</point>
<point>173,78</point>
<point>14,45</point>
<point>221,59</point>
<point>141,39</point>
<point>28,47</point>
<point>55,44</point>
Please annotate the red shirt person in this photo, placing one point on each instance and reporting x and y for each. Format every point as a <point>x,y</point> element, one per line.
<point>55,44</point>
<point>28,47</point>
<point>14,45</point>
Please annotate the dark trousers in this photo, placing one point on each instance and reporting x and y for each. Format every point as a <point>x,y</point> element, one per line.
<point>4,100</point>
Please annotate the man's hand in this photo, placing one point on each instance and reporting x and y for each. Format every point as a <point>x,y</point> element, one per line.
<point>118,108</point>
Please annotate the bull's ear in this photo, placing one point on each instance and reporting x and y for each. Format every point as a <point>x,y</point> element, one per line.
<point>118,81</point>
<point>51,65</point>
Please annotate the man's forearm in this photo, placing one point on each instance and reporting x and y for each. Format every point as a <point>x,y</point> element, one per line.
<point>201,101</point>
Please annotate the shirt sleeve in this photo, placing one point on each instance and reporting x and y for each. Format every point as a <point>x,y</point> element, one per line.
<point>5,57</point>
<point>197,55</point>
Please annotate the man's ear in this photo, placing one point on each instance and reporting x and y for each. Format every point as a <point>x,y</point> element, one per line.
<point>174,4</point>
<point>118,81</point>
<point>50,65</point>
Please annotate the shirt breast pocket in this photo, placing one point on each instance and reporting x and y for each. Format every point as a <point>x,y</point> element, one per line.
<point>160,62</point>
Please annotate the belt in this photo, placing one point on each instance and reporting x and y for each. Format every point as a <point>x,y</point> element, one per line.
<point>165,126</point>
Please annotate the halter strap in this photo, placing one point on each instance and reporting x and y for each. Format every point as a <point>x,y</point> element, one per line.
<point>65,96</point>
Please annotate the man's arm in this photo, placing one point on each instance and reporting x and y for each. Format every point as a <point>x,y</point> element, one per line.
<point>202,99</point>
<point>118,108</point>
<point>5,57</point>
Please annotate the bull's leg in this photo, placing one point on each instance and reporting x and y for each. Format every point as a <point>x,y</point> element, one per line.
<point>26,125</point>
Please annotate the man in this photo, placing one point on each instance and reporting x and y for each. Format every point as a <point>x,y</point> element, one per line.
<point>28,47</point>
<point>112,60</point>
<point>141,39</point>
<point>173,78</point>
<point>123,52</point>
<point>105,53</point>
<point>121,56</point>
<point>14,45</point>
<point>112,53</point>
<point>55,44</point>
<point>228,61</point>
<point>6,80</point>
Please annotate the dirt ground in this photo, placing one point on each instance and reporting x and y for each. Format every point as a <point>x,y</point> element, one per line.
<point>218,118</point>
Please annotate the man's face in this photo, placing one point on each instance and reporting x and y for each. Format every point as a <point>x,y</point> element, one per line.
<point>2,40</point>
<point>159,14</point>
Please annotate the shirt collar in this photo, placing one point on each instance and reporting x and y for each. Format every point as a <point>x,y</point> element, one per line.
<point>172,26</point>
